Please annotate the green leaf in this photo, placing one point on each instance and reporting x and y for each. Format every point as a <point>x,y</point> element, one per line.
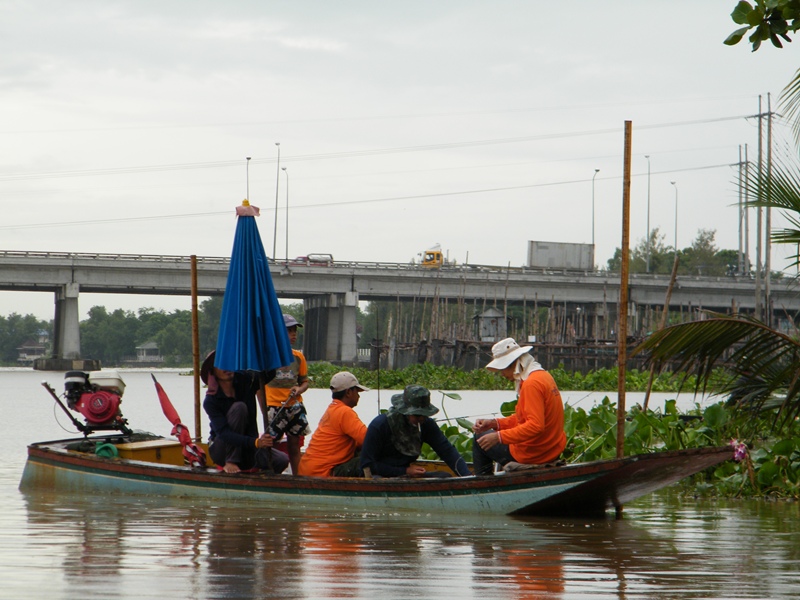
<point>451,430</point>
<point>507,408</point>
<point>468,425</point>
<point>783,448</point>
<point>767,473</point>
<point>452,395</point>
<point>740,13</point>
<point>755,18</point>
<point>736,36</point>
<point>715,416</point>
<point>760,455</point>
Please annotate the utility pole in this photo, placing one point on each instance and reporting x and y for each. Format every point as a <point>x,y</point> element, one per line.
<point>647,237</point>
<point>763,308</point>
<point>768,240</point>
<point>747,264</point>
<point>739,261</point>
<point>758,217</point>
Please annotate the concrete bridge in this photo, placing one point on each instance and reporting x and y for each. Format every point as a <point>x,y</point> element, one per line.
<point>331,291</point>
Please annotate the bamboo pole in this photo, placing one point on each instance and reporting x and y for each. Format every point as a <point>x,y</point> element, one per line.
<point>661,326</point>
<point>195,352</point>
<point>622,329</point>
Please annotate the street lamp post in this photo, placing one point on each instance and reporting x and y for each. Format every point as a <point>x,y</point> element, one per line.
<point>647,238</point>
<point>596,171</point>
<point>248,178</point>
<point>285,172</point>
<point>277,181</point>
<point>676,216</point>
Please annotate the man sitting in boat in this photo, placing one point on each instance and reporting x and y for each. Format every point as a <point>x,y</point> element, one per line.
<point>334,448</point>
<point>230,404</point>
<point>534,434</point>
<point>394,440</point>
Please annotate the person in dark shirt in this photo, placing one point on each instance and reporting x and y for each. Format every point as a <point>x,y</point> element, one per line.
<point>394,440</point>
<point>230,403</point>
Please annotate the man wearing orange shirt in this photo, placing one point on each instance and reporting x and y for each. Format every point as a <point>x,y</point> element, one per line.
<point>333,449</point>
<point>534,434</point>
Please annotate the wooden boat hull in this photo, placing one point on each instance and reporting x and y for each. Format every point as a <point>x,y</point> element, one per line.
<point>581,489</point>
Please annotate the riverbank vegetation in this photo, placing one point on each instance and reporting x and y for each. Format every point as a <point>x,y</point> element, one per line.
<point>769,458</point>
<point>452,378</point>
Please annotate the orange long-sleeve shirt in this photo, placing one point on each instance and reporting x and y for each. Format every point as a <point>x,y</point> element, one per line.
<point>335,440</point>
<point>535,432</point>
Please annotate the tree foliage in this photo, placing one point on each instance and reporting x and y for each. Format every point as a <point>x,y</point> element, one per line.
<point>769,20</point>
<point>15,330</point>
<point>113,337</point>
<point>701,258</point>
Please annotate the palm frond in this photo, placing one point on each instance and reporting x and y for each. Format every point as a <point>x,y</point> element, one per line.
<point>762,361</point>
<point>790,101</point>
<point>781,190</point>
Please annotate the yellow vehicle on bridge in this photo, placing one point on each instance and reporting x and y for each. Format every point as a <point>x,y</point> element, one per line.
<point>434,258</point>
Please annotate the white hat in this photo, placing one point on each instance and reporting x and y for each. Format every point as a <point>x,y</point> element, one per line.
<point>505,352</point>
<point>344,381</point>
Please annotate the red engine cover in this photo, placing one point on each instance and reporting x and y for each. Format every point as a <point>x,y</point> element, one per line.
<point>99,408</point>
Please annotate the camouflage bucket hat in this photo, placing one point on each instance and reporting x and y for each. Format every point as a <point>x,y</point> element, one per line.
<point>415,400</point>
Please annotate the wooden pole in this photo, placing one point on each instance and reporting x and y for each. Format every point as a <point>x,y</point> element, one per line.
<point>195,352</point>
<point>622,329</point>
<point>661,326</point>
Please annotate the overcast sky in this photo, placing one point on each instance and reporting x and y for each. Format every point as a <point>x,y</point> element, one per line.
<point>476,125</point>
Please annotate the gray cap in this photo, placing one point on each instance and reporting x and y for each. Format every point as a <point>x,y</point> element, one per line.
<point>290,321</point>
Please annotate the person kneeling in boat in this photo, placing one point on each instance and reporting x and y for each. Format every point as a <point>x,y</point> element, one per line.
<point>534,434</point>
<point>230,404</point>
<point>394,440</point>
<point>334,448</point>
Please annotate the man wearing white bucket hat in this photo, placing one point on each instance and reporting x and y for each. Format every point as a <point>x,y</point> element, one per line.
<point>534,434</point>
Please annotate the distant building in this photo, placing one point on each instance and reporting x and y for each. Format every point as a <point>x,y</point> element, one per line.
<point>149,353</point>
<point>491,325</point>
<point>33,349</point>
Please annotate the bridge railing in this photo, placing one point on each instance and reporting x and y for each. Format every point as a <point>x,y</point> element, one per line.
<point>292,264</point>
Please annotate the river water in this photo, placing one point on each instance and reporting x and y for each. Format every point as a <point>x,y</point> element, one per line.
<point>60,546</point>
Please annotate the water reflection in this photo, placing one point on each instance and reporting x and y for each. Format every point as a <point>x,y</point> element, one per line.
<point>149,547</point>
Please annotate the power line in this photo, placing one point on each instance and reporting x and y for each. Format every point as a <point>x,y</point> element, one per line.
<point>250,124</point>
<point>346,202</point>
<point>352,154</point>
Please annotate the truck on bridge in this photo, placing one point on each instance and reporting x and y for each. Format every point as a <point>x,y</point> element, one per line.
<point>434,258</point>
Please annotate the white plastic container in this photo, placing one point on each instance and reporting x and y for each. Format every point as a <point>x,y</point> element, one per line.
<point>108,380</point>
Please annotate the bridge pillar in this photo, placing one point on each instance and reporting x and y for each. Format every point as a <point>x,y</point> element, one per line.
<point>330,328</point>
<point>68,334</point>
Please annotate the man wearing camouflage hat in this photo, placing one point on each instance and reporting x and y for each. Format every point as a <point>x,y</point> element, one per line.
<point>394,440</point>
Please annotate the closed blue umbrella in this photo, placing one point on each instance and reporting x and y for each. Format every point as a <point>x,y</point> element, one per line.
<point>252,336</point>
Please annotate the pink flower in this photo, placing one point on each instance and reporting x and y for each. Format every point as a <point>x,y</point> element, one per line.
<point>739,450</point>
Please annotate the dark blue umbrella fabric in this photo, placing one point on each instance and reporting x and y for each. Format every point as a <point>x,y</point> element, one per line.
<point>252,336</point>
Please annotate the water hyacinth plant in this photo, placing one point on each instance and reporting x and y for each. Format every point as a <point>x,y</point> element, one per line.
<point>764,466</point>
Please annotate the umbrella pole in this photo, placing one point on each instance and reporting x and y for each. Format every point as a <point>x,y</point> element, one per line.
<point>195,352</point>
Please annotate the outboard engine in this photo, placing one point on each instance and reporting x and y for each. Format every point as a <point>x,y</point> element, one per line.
<point>97,396</point>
